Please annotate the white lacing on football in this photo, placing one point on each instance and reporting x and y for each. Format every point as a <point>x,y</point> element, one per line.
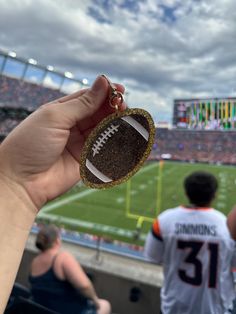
<point>103,138</point>
<point>137,126</point>
<point>96,172</point>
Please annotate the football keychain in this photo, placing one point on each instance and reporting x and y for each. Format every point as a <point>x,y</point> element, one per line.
<point>119,145</point>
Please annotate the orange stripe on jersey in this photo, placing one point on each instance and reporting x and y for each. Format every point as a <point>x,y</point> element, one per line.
<point>156,231</point>
<point>156,227</point>
<point>197,208</point>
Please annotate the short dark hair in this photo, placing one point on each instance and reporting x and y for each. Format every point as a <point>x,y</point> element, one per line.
<point>200,188</point>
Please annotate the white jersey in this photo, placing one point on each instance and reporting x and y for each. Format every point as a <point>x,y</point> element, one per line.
<point>197,253</point>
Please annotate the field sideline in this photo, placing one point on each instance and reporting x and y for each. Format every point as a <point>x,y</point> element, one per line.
<point>114,212</point>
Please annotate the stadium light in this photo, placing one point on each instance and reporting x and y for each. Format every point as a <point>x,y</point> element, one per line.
<point>68,75</point>
<point>84,81</point>
<point>32,61</point>
<point>12,54</point>
<point>50,68</point>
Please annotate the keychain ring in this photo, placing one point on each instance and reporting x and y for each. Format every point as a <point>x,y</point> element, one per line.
<point>116,97</point>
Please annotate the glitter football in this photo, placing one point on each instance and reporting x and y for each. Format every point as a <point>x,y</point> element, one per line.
<point>117,148</point>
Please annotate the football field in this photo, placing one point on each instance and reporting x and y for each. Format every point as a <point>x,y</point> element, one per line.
<point>115,212</point>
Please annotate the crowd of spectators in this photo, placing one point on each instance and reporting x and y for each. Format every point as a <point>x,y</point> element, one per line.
<point>10,117</point>
<point>19,98</point>
<point>18,93</point>
<point>195,145</point>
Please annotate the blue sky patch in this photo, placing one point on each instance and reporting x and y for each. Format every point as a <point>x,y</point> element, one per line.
<point>131,5</point>
<point>100,11</point>
<point>168,14</point>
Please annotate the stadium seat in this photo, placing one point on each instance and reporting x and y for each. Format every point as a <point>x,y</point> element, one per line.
<point>18,290</point>
<point>27,306</point>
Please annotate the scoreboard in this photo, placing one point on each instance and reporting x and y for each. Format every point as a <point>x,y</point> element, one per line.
<point>208,113</point>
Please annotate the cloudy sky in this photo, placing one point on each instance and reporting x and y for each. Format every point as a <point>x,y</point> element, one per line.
<point>159,49</point>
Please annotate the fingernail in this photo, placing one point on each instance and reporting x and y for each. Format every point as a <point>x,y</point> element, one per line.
<point>98,84</point>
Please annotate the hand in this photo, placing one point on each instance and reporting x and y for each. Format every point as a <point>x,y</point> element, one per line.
<point>42,154</point>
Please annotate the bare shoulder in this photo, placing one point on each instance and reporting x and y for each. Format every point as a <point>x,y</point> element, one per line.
<point>66,255</point>
<point>33,263</point>
<point>67,258</point>
<point>36,261</point>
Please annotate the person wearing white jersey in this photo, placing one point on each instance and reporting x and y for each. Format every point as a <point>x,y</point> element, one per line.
<point>197,252</point>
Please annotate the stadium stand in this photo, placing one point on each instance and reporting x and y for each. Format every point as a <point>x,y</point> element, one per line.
<point>19,99</point>
<point>20,94</point>
<point>195,146</point>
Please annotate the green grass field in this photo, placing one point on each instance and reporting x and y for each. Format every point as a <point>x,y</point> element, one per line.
<point>114,212</point>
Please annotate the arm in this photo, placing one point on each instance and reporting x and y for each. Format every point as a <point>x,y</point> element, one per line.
<point>74,273</point>
<point>39,160</point>
<point>17,214</point>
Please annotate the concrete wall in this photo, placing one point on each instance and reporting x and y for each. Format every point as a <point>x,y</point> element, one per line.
<point>113,277</point>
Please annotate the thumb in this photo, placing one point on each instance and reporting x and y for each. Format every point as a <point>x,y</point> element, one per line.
<point>77,107</point>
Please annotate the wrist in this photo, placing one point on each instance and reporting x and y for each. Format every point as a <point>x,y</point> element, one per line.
<point>16,203</point>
